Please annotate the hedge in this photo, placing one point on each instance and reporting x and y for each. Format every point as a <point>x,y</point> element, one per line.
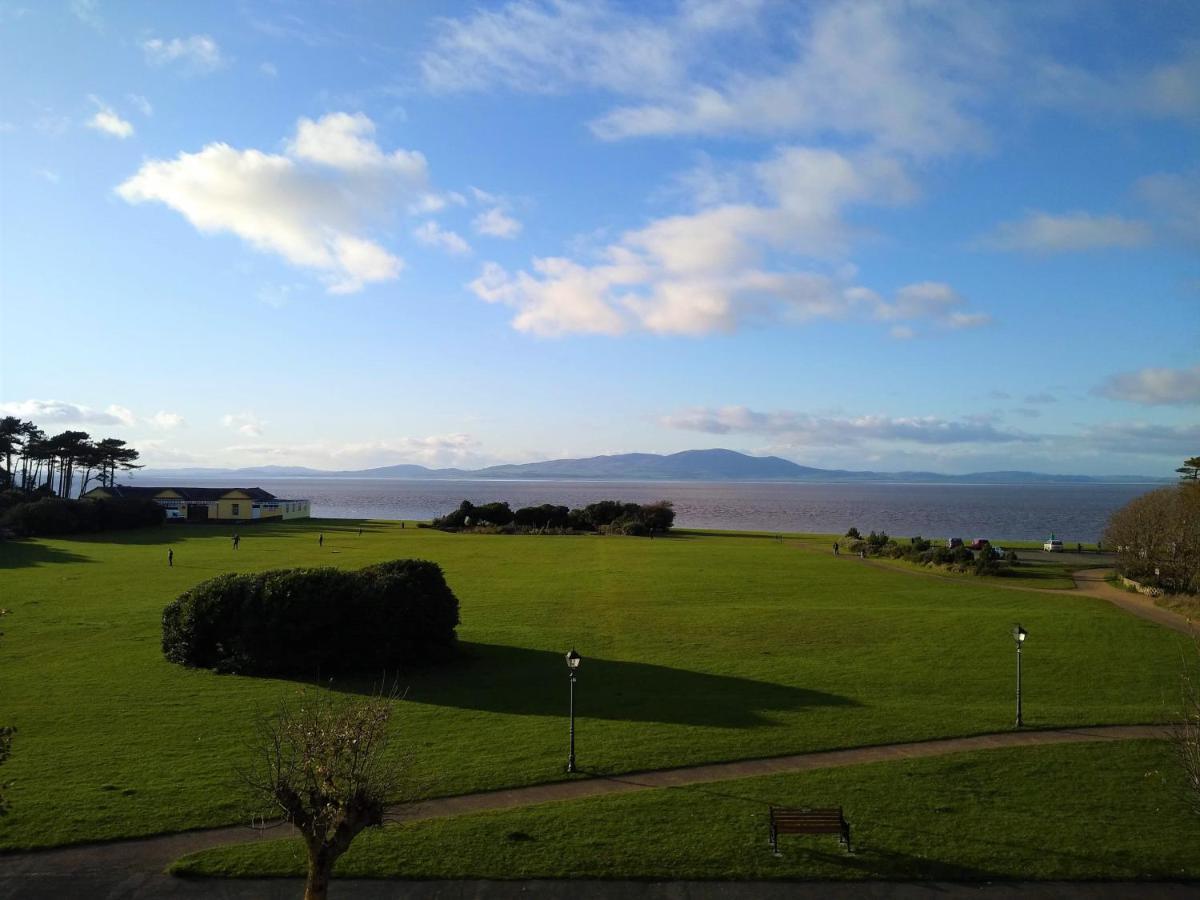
<point>56,515</point>
<point>311,622</point>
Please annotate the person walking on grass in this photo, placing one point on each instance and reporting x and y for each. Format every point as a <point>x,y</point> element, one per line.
<point>170,558</point>
<point>236,540</point>
<point>321,539</point>
<point>835,548</point>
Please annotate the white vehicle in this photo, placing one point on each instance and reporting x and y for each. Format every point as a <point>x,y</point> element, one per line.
<point>1052,546</point>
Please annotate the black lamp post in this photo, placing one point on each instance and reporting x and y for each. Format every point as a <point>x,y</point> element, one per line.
<point>573,660</point>
<point>1019,634</point>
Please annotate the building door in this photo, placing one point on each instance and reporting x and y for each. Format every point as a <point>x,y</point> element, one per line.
<point>197,512</point>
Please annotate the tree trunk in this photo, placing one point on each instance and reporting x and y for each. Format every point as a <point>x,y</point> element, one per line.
<point>320,870</point>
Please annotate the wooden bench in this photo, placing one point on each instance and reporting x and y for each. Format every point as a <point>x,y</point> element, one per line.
<point>809,821</point>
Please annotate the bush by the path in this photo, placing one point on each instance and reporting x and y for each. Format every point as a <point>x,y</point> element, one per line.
<point>315,621</point>
<point>55,515</point>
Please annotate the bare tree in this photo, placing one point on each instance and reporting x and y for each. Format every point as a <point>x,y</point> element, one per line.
<point>323,760</point>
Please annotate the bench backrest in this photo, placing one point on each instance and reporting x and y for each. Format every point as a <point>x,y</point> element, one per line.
<point>807,821</point>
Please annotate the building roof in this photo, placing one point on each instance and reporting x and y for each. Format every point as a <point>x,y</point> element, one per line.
<point>198,494</point>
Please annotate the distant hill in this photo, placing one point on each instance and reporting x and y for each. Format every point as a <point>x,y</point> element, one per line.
<point>689,465</point>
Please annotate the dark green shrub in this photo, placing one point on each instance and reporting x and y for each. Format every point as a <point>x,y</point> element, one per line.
<point>545,516</point>
<point>920,545</point>
<point>56,515</point>
<point>659,516</point>
<point>493,514</point>
<point>50,515</point>
<point>853,533</point>
<point>314,621</point>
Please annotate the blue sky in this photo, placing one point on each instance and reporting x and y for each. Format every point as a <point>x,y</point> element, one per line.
<point>888,235</point>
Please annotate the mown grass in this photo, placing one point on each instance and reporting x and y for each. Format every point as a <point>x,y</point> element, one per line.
<point>697,648</point>
<point>1081,811</point>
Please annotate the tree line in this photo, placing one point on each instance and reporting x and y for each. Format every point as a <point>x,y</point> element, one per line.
<point>1157,536</point>
<point>51,465</point>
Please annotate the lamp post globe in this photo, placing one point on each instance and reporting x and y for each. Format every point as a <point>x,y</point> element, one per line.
<point>573,661</point>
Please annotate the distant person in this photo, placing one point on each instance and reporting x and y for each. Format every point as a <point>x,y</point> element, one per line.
<point>236,541</point>
<point>401,524</point>
<point>835,548</point>
<point>321,539</point>
<point>360,532</point>
<point>862,554</point>
<point>1079,548</point>
<point>170,558</point>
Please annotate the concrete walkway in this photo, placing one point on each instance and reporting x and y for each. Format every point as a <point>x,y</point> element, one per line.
<point>1092,582</point>
<point>1088,582</point>
<point>133,868</point>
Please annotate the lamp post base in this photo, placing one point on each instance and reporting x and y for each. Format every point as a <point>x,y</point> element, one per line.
<point>571,763</point>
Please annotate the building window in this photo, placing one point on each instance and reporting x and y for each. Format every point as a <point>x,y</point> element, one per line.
<point>237,509</point>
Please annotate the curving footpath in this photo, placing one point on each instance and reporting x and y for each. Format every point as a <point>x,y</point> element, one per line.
<point>134,869</point>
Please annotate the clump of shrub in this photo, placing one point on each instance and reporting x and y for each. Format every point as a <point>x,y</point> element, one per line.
<point>852,532</point>
<point>604,517</point>
<point>56,515</point>
<point>393,615</point>
<point>959,558</point>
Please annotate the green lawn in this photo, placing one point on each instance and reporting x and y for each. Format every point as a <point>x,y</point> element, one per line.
<point>1082,811</point>
<point>698,648</point>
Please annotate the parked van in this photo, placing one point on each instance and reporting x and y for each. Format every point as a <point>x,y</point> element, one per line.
<point>1052,546</point>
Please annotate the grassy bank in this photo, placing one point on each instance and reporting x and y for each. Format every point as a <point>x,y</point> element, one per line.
<point>1084,811</point>
<point>696,648</point>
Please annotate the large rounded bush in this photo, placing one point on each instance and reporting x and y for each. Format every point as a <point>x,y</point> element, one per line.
<point>313,622</point>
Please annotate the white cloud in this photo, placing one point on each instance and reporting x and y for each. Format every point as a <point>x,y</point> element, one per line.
<point>165,421</point>
<point>246,423</point>
<point>436,451</point>
<point>88,12</point>
<point>1167,89</point>
<point>310,206</point>
<point>346,141</point>
<point>1155,387</point>
<point>433,235</point>
<point>141,103</point>
<point>62,412</point>
<point>904,75</point>
<point>107,121</point>
<point>199,52</point>
<point>268,69</point>
<point>546,47</point>
<point>1142,438</point>
<point>50,175</point>
<point>708,271</point>
<point>1042,232</point>
<point>1175,198</point>
<point>496,223</point>
<point>929,300</point>
<point>830,431</point>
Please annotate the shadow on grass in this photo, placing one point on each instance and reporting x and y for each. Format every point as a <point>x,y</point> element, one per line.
<point>19,554</point>
<point>519,681</point>
<point>181,532</point>
<point>879,862</point>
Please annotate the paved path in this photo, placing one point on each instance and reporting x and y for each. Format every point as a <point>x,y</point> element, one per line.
<point>1089,583</point>
<point>133,868</point>
<point>1092,583</point>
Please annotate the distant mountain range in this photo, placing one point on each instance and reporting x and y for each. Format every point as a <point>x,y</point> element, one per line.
<point>690,465</point>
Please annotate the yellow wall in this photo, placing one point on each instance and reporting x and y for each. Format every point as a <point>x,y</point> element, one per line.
<point>234,498</point>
